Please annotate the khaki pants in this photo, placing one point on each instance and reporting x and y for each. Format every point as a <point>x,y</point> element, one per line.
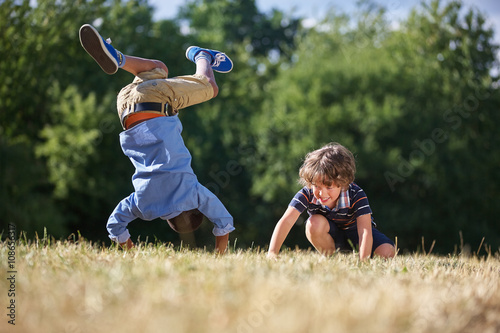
<point>154,86</point>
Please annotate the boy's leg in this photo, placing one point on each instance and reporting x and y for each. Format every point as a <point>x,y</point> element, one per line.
<point>136,65</point>
<point>207,61</point>
<point>382,245</point>
<point>111,59</point>
<point>317,232</point>
<point>203,68</point>
<point>101,50</point>
<point>219,61</point>
<point>385,251</point>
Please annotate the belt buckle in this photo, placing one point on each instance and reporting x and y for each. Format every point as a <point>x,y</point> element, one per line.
<point>129,110</point>
<point>168,111</point>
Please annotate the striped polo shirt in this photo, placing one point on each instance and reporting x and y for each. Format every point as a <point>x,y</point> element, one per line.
<point>352,203</point>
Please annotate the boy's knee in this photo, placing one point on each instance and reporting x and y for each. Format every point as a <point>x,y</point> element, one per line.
<point>215,88</point>
<point>385,251</point>
<point>161,64</point>
<point>317,224</point>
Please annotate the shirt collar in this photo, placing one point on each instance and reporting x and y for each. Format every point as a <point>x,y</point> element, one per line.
<point>343,201</point>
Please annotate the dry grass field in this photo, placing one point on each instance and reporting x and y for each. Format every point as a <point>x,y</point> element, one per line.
<point>80,287</point>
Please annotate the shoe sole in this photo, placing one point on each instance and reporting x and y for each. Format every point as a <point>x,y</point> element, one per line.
<point>94,45</point>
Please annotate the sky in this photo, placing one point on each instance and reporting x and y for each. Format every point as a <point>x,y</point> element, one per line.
<point>313,9</point>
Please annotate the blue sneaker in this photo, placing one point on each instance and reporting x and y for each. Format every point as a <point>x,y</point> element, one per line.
<point>103,53</point>
<point>220,61</point>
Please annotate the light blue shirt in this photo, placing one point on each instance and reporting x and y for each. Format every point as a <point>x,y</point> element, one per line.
<point>164,182</point>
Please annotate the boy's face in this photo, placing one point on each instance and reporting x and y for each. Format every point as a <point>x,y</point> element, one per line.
<point>326,194</point>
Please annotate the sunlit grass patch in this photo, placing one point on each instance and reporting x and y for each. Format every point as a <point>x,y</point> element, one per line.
<point>83,287</point>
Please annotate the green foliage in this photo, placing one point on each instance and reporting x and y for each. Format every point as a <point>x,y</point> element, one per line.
<point>413,105</point>
<point>416,104</point>
<point>22,188</point>
<point>451,93</point>
<point>72,139</point>
<point>229,23</point>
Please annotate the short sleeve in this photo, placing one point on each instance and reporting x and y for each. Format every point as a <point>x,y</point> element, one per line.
<point>301,200</point>
<point>359,202</point>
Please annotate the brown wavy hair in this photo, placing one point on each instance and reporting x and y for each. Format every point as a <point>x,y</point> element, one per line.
<point>331,164</point>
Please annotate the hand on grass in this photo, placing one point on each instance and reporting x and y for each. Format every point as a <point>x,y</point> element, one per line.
<point>272,255</point>
<point>221,243</point>
<point>127,245</point>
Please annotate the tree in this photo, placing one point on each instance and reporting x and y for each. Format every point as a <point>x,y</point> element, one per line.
<point>411,104</point>
<point>48,108</point>
<point>417,105</point>
<point>234,22</point>
<point>218,133</point>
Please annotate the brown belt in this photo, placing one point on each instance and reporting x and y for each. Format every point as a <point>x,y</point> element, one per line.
<point>137,118</point>
<point>140,112</point>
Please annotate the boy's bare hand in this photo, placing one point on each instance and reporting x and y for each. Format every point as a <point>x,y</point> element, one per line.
<point>127,245</point>
<point>221,243</point>
<point>272,255</point>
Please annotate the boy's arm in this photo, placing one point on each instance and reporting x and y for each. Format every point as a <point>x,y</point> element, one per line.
<point>364,223</point>
<point>221,243</point>
<point>281,230</point>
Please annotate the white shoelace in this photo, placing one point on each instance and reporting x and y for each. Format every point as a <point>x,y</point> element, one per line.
<point>219,57</point>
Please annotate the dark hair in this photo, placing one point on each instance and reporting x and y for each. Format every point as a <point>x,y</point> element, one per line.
<point>331,164</point>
